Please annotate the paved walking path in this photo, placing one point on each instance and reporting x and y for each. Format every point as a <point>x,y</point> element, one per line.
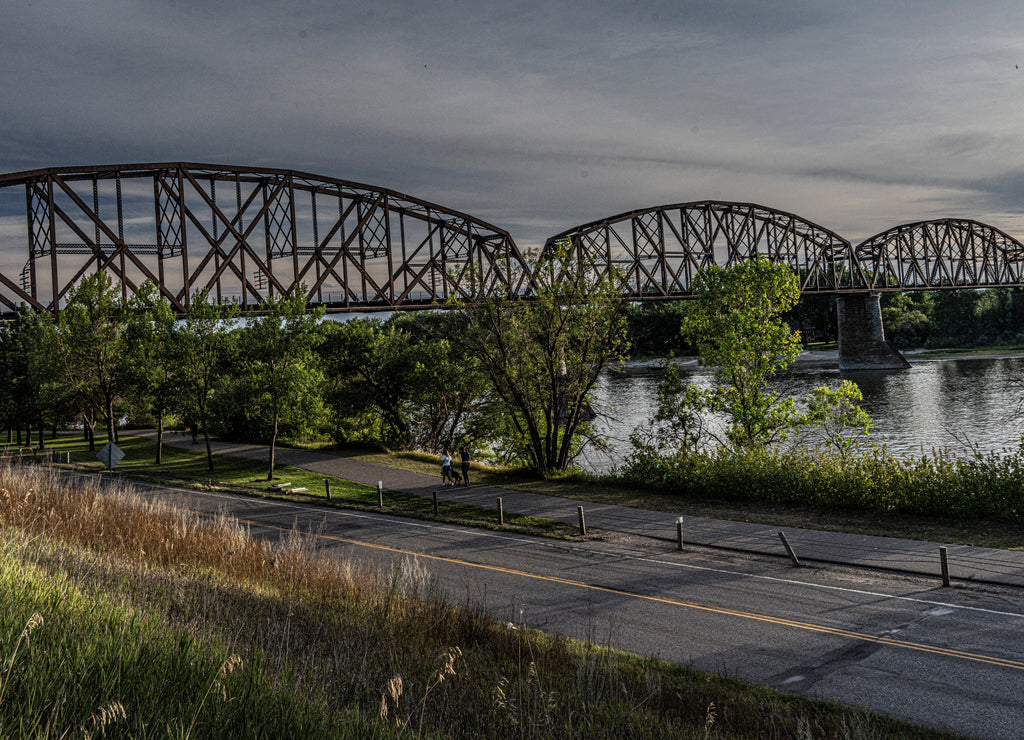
<point>966,563</point>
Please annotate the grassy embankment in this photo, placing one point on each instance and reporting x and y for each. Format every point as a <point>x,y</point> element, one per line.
<point>127,620</point>
<point>188,467</point>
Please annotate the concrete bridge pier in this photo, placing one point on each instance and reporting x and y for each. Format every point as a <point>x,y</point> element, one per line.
<point>862,344</point>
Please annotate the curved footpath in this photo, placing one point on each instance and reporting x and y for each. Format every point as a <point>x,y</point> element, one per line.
<point>977,564</point>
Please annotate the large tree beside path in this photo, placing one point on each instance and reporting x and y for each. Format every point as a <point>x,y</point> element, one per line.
<point>203,344</point>
<point>91,354</point>
<point>152,359</point>
<point>279,362</point>
<point>544,355</point>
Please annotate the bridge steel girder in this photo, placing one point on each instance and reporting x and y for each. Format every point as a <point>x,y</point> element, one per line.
<point>245,235</point>
<point>940,254</point>
<point>658,251</point>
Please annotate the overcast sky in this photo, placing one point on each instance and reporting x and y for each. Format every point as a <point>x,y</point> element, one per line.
<point>537,116</point>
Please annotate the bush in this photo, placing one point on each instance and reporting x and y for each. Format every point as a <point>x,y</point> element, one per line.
<point>940,484</point>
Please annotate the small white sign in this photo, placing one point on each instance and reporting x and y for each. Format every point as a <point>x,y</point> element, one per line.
<point>110,455</point>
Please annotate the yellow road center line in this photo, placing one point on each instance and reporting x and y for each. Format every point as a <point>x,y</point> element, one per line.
<point>780,621</point>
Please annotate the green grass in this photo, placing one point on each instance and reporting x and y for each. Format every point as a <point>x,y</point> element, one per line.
<point>188,467</point>
<point>94,666</point>
<point>142,610</point>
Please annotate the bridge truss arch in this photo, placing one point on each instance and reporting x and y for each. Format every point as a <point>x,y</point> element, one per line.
<point>658,251</point>
<point>937,254</point>
<point>244,234</point>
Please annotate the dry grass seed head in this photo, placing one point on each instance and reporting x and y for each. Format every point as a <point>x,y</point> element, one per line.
<point>393,690</point>
<point>709,718</point>
<point>448,658</point>
<point>106,715</point>
<point>35,621</point>
<point>233,663</point>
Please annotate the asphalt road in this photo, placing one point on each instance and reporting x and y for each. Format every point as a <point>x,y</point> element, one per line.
<point>949,658</point>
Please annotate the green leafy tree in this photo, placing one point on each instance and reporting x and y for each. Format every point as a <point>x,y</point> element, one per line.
<point>32,394</point>
<point>369,373</point>
<point>447,389</point>
<point>204,347</point>
<point>92,351</point>
<point>836,412</point>
<point>737,324</point>
<point>152,364</point>
<point>280,365</point>
<point>544,356</point>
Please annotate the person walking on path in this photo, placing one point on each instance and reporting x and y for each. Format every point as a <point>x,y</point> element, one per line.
<point>446,470</point>
<point>464,456</point>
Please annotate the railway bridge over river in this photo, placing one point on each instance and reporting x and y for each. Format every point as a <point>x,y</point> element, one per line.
<point>245,234</point>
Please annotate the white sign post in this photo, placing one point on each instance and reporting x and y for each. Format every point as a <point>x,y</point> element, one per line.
<point>110,456</point>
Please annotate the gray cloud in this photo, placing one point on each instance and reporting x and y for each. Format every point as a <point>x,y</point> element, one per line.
<point>540,115</point>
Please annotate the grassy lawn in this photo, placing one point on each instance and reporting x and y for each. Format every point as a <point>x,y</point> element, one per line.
<point>187,467</point>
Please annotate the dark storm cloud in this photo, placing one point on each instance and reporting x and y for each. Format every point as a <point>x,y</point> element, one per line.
<point>539,115</point>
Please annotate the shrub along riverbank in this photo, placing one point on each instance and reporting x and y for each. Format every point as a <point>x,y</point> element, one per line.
<point>984,486</point>
<point>129,620</point>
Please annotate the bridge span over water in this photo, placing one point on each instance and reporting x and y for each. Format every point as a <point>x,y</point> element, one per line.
<point>246,234</point>
<point>658,251</point>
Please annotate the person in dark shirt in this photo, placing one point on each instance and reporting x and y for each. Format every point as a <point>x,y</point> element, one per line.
<point>464,456</point>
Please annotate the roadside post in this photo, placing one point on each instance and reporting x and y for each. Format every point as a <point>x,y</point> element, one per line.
<point>792,555</point>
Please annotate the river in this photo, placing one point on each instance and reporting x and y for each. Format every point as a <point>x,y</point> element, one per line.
<point>957,403</point>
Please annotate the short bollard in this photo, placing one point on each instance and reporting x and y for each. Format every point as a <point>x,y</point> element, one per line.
<point>792,555</point>
<point>327,485</point>
<point>944,563</point>
<point>501,513</point>
<point>435,502</point>
<point>583,522</point>
<point>679,533</point>
<point>380,494</point>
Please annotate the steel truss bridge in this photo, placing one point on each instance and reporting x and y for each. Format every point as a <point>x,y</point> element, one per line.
<point>243,235</point>
<point>248,234</point>
<point>658,251</point>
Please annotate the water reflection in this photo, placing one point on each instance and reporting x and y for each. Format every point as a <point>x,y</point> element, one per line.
<point>936,403</point>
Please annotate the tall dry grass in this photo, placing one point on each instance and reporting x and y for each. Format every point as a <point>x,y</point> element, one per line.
<point>326,649</point>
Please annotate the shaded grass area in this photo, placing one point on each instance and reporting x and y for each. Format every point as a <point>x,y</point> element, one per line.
<point>980,532</point>
<point>142,611</point>
<point>188,467</point>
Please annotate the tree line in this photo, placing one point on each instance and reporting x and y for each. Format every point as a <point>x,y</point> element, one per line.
<point>511,379</point>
